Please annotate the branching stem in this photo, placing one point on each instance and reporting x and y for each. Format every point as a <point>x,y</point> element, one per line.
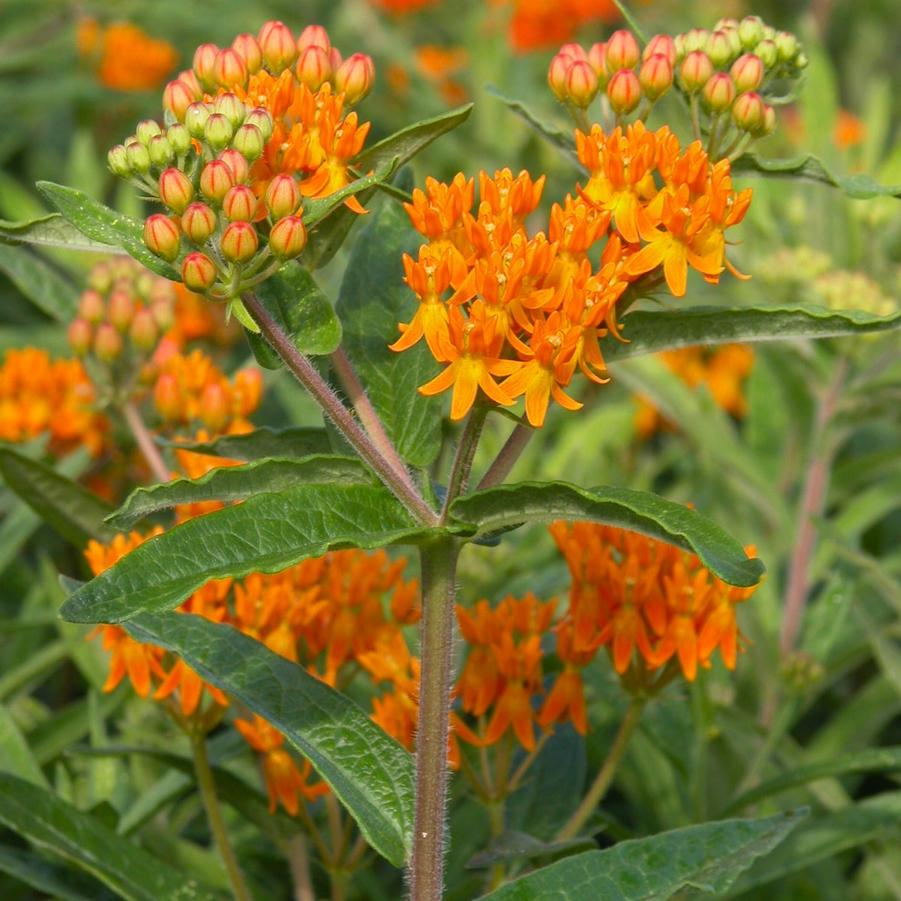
<point>146,445</point>
<point>509,454</point>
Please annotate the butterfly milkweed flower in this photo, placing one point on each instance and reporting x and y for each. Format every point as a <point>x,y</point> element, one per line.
<point>124,56</point>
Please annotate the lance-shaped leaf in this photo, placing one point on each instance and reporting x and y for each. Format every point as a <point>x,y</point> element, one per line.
<point>372,301</point>
<point>559,137</point>
<point>708,857</point>
<point>264,442</point>
<point>294,300</point>
<point>55,826</point>
<point>314,211</point>
<point>649,331</point>
<point>102,224</point>
<point>267,533</point>
<point>40,282</point>
<point>64,505</point>
<point>51,879</point>
<point>237,483</point>
<point>639,511</point>
<point>369,771</point>
<point>52,230</point>
<point>809,168</point>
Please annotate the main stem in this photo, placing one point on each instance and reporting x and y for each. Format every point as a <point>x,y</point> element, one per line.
<point>605,774</point>
<point>214,817</point>
<point>399,482</point>
<point>438,566</point>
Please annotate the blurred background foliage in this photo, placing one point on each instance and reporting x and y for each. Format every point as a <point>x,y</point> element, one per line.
<point>794,447</point>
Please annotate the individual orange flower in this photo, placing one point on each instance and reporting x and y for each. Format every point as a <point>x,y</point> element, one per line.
<point>126,57</point>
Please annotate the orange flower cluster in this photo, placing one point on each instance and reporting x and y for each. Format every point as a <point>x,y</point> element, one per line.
<point>40,395</point>
<point>682,220</point>
<point>125,57</point>
<point>537,24</point>
<point>722,370</point>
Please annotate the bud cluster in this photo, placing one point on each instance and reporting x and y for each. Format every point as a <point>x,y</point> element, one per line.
<point>122,314</point>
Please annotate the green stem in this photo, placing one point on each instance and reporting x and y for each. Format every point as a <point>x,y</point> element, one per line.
<point>438,561</point>
<point>509,454</point>
<point>145,442</point>
<point>605,774</point>
<point>462,464</point>
<point>695,117</point>
<point>207,787</point>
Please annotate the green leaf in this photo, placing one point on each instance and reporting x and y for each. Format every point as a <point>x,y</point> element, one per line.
<point>639,511</point>
<point>403,145</point>
<point>264,442</point>
<point>50,879</point>
<point>15,755</point>
<point>809,168</point>
<point>369,771</point>
<point>102,224</point>
<point>40,282</point>
<point>650,331</point>
<point>869,760</point>
<point>372,301</point>
<point>57,827</point>
<point>707,857</point>
<point>294,300</point>
<point>559,137</point>
<point>267,533</point>
<point>64,505</point>
<point>237,483</point>
<point>517,846</point>
<point>51,230</point>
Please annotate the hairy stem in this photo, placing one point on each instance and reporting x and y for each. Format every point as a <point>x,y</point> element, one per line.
<point>144,440</point>
<point>438,566</point>
<point>509,454</point>
<point>214,817</point>
<point>399,483</point>
<point>605,774</point>
<point>466,450</point>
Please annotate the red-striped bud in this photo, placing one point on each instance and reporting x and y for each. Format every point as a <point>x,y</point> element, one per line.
<point>720,49</point>
<point>177,97</point>
<point>91,307</point>
<point>247,47</point>
<point>216,179</point>
<point>80,334</point>
<point>190,79</point>
<point>198,222</point>
<point>232,107</point>
<point>107,343</point>
<point>198,272</point>
<point>161,236</point>
<point>573,50</point>
<point>624,91</point>
<point>314,68</point>
<point>581,83</point>
<point>282,196</point>
<point>160,151</point>
<point>205,65</point>
<point>662,44</point>
<point>288,237</point>
<point>355,77</point>
<point>719,92</point>
<point>117,160</point>
<point>176,190</point>
<point>277,45</point>
<point>179,138</point>
<point>147,129</point>
<point>167,397</point>
<point>229,69</point>
<point>314,36</point>
<point>214,409</point>
<point>138,157</point>
<point>163,314</point>
<point>655,76</point>
<point>218,131</point>
<point>121,310</point>
<point>623,51</point>
<point>261,118</point>
<point>249,142</point>
<point>597,59</point>
<point>196,116</point>
<point>240,204</point>
<point>748,72</point>
<point>695,71</point>
<point>144,333</point>
<point>749,112</point>
<point>556,76</point>
<point>239,242</point>
<point>237,163</point>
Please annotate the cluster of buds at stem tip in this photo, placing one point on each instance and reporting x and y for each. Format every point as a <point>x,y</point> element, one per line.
<point>122,315</point>
<point>619,69</point>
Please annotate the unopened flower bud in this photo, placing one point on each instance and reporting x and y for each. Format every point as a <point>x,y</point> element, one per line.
<point>80,334</point>
<point>719,92</point>
<point>574,51</point>
<point>198,222</point>
<point>655,76</point>
<point>138,157</point>
<point>161,236</point>
<point>801,60</point>
<point>623,51</point>
<point>768,53</point>
<point>725,24</point>
<point>143,332</point>
<point>190,79</point>
<point>167,397</point>
<point>144,284</point>
<point>261,118</point>
<point>91,307</point>
<point>288,237</point>
<point>769,120</point>
<point>239,204</point>
<point>248,390</point>
<point>695,39</point>
<point>679,47</point>
<point>749,112</point>
<point>750,30</point>
<point>660,44</point>
<point>179,138</point>
<point>229,69</point>
<point>624,91</point>
<point>597,59</point>
<point>160,151</point>
<point>230,106</point>
<point>314,68</point>
<point>747,71</point>
<point>214,407</point>
<point>107,343</point>
<point>237,163</point>
<point>581,83</point>
<point>314,36</point>
<point>198,272</point>
<point>249,142</point>
<point>247,47</point>
<point>147,129</point>
<point>177,97</point>
<point>695,71</point>
<point>282,196</point>
<point>355,77</point>
<point>277,46</point>
<point>205,64</point>
<point>176,190</point>
<point>196,116</point>
<point>336,59</point>
<point>163,314</point>
<point>218,131</point>
<point>720,49</point>
<point>556,76</point>
<point>215,180</point>
<point>117,160</point>
<point>786,45</point>
<point>120,311</point>
<point>239,242</point>
<point>100,278</point>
